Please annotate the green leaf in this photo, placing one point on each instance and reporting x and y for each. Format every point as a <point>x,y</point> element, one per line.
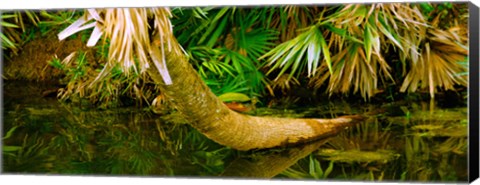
<point>213,26</point>
<point>426,7</point>
<point>217,33</point>
<point>299,57</point>
<point>257,42</point>
<point>312,168</point>
<point>10,132</point>
<point>341,32</point>
<point>10,25</point>
<point>326,52</point>
<point>232,96</point>
<point>7,16</point>
<point>383,27</point>
<point>56,63</point>
<point>293,174</point>
<point>328,170</point>
<point>316,170</point>
<point>7,42</point>
<point>10,148</point>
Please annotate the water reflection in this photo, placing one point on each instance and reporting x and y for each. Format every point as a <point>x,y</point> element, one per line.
<point>420,142</point>
<point>409,141</point>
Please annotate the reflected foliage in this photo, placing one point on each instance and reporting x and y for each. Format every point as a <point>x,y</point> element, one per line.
<point>402,141</point>
<point>420,142</point>
<point>58,138</point>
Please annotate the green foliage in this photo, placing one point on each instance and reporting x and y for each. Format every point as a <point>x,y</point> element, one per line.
<point>10,35</point>
<point>75,69</point>
<point>69,140</point>
<point>209,60</point>
<point>82,83</point>
<point>8,42</point>
<point>223,44</point>
<point>315,170</point>
<point>351,49</point>
<point>228,85</point>
<point>6,149</point>
<point>355,39</point>
<point>103,142</point>
<point>42,21</point>
<point>58,19</point>
<point>465,65</point>
<point>430,9</point>
<point>227,69</point>
<point>211,161</point>
<point>309,45</point>
<point>31,156</point>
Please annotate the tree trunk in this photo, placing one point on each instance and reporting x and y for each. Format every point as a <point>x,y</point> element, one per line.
<point>271,164</point>
<point>205,112</point>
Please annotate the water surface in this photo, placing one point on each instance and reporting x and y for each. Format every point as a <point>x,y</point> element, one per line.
<point>405,141</point>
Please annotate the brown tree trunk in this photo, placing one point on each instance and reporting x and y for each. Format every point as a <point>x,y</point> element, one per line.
<point>271,164</point>
<point>205,112</point>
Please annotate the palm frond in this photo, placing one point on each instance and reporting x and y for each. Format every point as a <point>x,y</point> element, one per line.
<point>352,69</point>
<point>439,64</point>
<point>290,18</point>
<point>288,55</point>
<point>133,41</point>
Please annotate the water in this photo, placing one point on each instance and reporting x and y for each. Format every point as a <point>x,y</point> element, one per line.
<point>407,141</point>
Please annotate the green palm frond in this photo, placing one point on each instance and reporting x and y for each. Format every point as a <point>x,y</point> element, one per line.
<point>209,60</point>
<point>224,65</point>
<point>202,26</point>
<point>245,69</point>
<point>309,45</point>
<point>188,21</point>
<point>226,40</point>
<point>251,42</point>
<point>229,84</point>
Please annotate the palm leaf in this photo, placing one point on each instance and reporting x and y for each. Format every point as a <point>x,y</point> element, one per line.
<point>129,33</point>
<point>438,65</point>
<point>293,52</point>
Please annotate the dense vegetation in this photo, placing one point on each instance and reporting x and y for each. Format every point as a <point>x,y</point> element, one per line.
<point>309,52</point>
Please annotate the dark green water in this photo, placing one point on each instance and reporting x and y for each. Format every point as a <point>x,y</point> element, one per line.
<point>409,141</point>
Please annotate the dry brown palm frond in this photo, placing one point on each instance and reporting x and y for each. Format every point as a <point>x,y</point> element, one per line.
<point>78,86</point>
<point>404,26</point>
<point>359,35</point>
<point>106,92</point>
<point>284,83</point>
<point>351,69</point>
<point>133,41</point>
<point>378,25</point>
<point>439,65</point>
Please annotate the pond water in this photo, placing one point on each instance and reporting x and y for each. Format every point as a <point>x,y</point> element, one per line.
<point>408,141</point>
